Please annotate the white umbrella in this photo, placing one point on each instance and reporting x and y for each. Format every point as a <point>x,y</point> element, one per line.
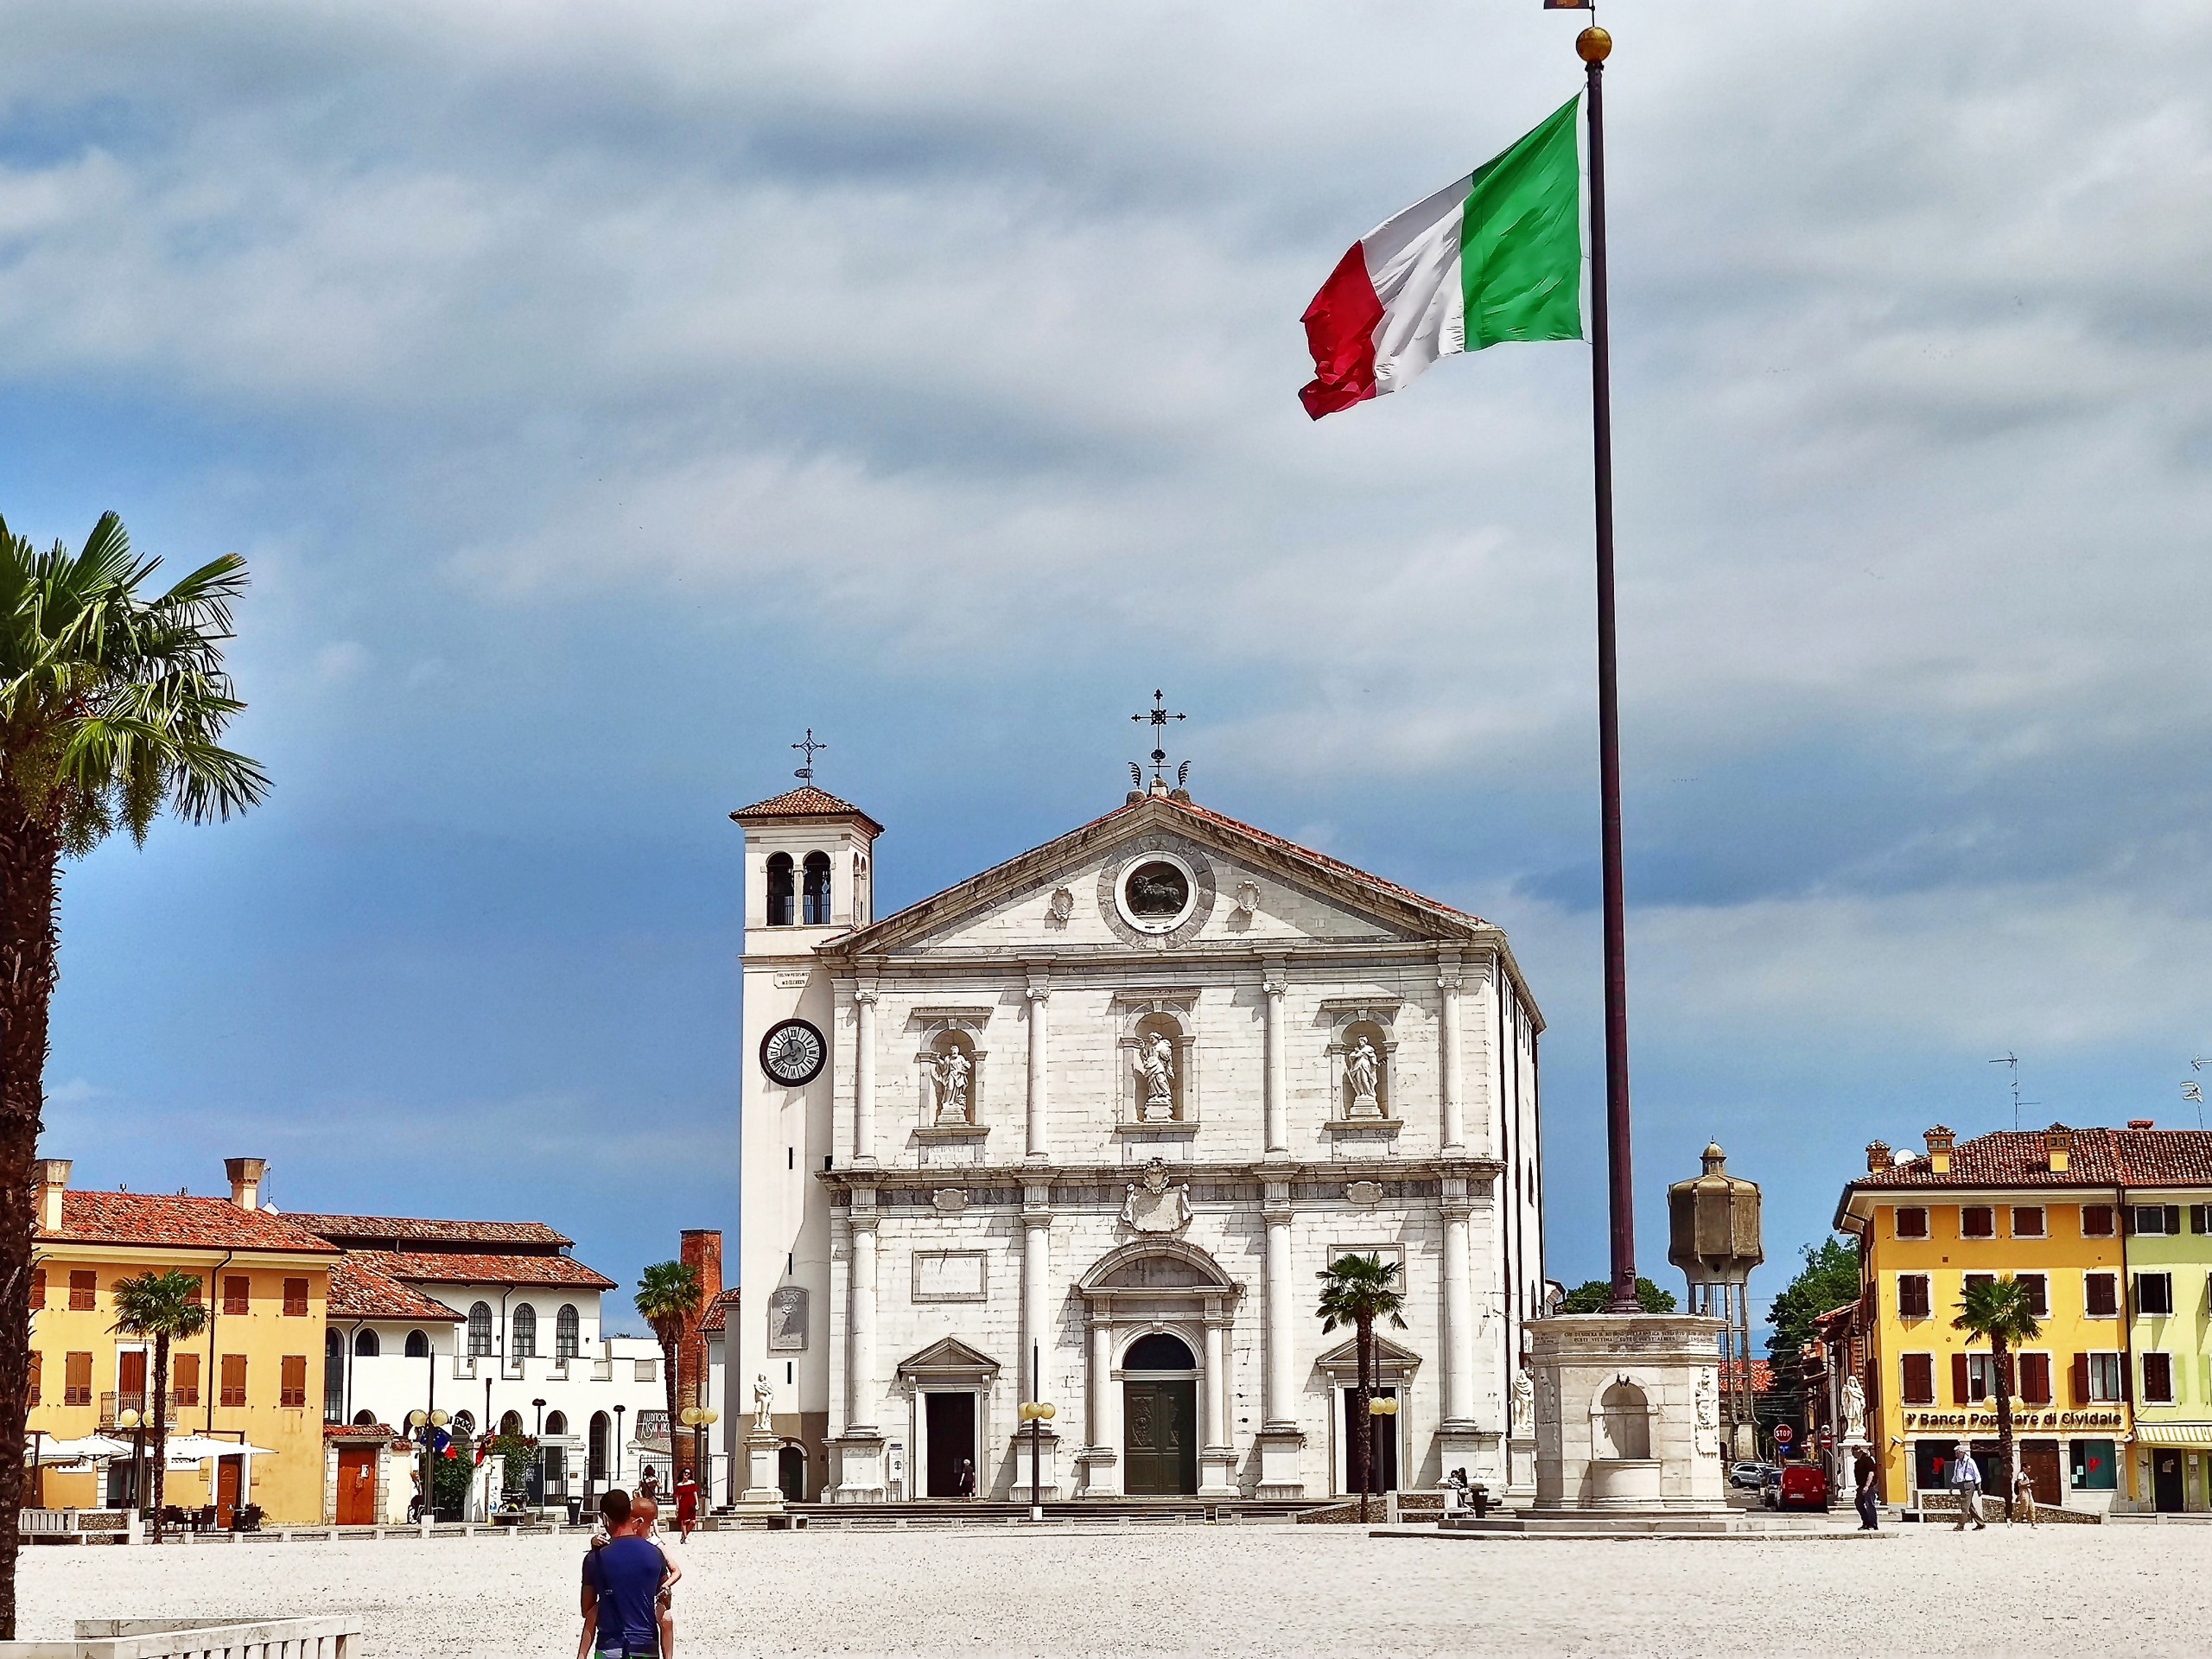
<point>47,1451</point>
<point>189,1450</point>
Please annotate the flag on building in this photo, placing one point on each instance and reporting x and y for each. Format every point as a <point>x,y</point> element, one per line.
<point>1494,256</point>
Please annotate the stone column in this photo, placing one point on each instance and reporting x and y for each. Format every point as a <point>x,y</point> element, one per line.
<point>860,1331</point>
<point>1216,1454</point>
<point>1277,1086</point>
<point>1040,1085</point>
<point>1281,1441</point>
<point>1454,1069</point>
<point>864,1075</point>
<point>1036,1277</point>
<point>1460,1443</point>
<point>1102,1413</point>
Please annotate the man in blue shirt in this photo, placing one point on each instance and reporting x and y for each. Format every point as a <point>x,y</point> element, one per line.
<point>622,1578</point>
<point>1965,1481</point>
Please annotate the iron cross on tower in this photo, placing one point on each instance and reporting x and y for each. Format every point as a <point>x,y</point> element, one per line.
<point>809,748</point>
<point>1158,717</point>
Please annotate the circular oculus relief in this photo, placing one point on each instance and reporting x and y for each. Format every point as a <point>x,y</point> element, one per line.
<point>1155,893</point>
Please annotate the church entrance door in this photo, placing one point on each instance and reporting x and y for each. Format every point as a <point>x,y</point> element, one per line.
<point>1161,1419</point>
<point>1381,1438</point>
<point>950,1420</point>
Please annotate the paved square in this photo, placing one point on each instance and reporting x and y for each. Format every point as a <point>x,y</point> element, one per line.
<point>1199,1590</point>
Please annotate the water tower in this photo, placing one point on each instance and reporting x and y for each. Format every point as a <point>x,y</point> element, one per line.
<point>1713,1235</point>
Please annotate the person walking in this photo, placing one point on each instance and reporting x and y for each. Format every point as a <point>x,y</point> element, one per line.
<point>622,1581</point>
<point>2024,1497</point>
<point>1965,1481</point>
<point>687,1506</point>
<point>1862,1473</point>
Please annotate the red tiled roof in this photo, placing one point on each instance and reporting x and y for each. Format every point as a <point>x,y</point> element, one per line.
<point>805,801</point>
<point>719,1309</point>
<point>2099,1157</point>
<point>1762,1374</point>
<point>359,1289</point>
<point>375,1230</point>
<point>453,1267</point>
<point>179,1221</point>
<point>362,1432</point>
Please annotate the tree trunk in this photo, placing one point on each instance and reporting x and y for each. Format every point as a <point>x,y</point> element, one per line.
<point>161,1427</point>
<point>1996,1357</point>
<point>1363,1438</point>
<point>29,891</point>
<point>669,1347</point>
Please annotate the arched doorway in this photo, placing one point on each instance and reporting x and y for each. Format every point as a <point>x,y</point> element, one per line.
<point>790,1473</point>
<point>1160,1416</point>
<point>596,1458</point>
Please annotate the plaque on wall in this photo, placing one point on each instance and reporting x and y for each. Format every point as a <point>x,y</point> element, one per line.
<point>788,1320</point>
<point>950,1276</point>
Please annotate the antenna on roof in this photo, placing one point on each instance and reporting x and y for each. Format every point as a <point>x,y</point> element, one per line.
<point>809,748</point>
<point>2194,1092</point>
<point>2014,1061</point>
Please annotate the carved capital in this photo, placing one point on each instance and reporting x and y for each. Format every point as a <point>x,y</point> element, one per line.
<point>1040,993</point>
<point>866,999</point>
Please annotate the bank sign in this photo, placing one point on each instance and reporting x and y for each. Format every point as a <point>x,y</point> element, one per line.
<point>1975,1420</point>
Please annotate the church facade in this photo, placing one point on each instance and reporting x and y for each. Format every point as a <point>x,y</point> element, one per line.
<point>1087,1128</point>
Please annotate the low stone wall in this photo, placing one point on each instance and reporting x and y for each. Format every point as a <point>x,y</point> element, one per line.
<point>1944,1506</point>
<point>199,1638</point>
<point>1412,1506</point>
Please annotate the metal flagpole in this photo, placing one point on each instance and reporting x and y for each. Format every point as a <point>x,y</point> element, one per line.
<point>1591,45</point>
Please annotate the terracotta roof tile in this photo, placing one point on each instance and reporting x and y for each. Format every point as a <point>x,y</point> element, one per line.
<point>456,1267</point>
<point>179,1221</point>
<point>2098,1157</point>
<point>359,1289</point>
<point>719,1309</point>
<point>374,1232</point>
<point>805,801</point>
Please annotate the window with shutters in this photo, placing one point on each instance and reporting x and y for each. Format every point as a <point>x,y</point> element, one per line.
<point>1975,1281</point>
<point>2100,1295</point>
<point>2096,1221</point>
<point>2035,1379</point>
<point>292,1380</point>
<point>2198,1215</point>
<point>2158,1378</point>
<point>233,1379</point>
<point>197,1291</point>
<point>1912,1222</point>
<point>2105,1378</point>
<point>184,1378</point>
<point>77,1380</point>
<point>1912,1296</point>
<point>2027,1221</point>
<point>2154,1220</point>
<point>37,1367</point>
<point>1918,1378</point>
<point>84,1288</point>
<point>1982,1378</point>
<point>296,1298</point>
<point>38,1290</point>
<point>2154,1292</point>
<point>1977,1221</point>
<point>235,1297</point>
<point>2037,1286</point>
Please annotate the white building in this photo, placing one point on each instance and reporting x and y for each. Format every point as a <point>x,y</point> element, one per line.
<point>1119,1101</point>
<point>486,1319</point>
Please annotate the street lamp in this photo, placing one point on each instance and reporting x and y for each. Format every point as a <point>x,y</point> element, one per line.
<point>134,1419</point>
<point>698,1420</point>
<point>426,1428</point>
<point>1037,1413</point>
<point>540,1437</point>
<point>619,1410</point>
<point>1377,1406</point>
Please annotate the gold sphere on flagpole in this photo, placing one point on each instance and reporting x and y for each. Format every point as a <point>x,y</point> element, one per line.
<point>1593,45</point>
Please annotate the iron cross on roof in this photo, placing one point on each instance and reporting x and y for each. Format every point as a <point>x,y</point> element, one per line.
<point>808,747</point>
<point>1158,717</point>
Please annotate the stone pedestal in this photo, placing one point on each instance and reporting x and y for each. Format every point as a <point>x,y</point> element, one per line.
<point>859,1455</point>
<point>1281,1450</point>
<point>1048,1480</point>
<point>1521,1469</point>
<point>761,1492</point>
<point>1462,1446</point>
<point>1218,1472</point>
<point>1101,1471</point>
<point>1627,1418</point>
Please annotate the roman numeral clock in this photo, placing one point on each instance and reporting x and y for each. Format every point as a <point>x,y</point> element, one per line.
<point>792,1052</point>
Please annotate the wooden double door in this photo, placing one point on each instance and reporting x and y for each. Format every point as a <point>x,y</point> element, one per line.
<point>356,1486</point>
<point>1160,1423</point>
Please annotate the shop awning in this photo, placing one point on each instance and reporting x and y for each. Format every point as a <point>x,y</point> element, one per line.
<point>2195,1436</point>
<point>47,1451</point>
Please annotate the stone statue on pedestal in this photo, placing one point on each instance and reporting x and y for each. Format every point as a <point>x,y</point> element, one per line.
<point>953,1069</point>
<point>1157,1064</point>
<point>1854,1409</point>
<point>763,1400</point>
<point>1363,1071</point>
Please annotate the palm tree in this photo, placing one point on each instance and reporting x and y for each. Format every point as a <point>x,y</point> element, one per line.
<point>112,705</point>
<point>1998,1311</point>
<point>668,1299</point>
<point>1358,1290</point>
<point>162,1305</point>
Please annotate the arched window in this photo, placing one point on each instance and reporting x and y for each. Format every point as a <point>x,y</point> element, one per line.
<point>782,912</point>
<point>333,1375</point>
<point>480,1330</point>
<point>366,1346</point>
<point>464,1424</point>
<point>557,1423</point>
<point>418,1344</point>
<point>818,889</point>
<point>365,1419</point>
<point>510,1422</point>
<point>525,1343</point>
<point>567,1333</point>
<point>595,1459</point>
<point>1159,1352</point>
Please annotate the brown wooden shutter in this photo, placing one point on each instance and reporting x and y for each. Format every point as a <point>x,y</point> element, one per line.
<point>2080,1380</point>
<point>236,1298</point>
<point>292,1380</point>
<point>2126,1381</point>
<point>2035,1379</point>
<point>296,1298</point>
<point>233,1379</point>
<point>38,1290</point>
<point>36,1368</point>
<point>77,1380</point>
<point>2173,1219</point>
<point>1959,1379</point>
<point>184,1379</point>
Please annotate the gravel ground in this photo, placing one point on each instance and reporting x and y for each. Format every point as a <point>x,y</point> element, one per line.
<point>1204,1590</point>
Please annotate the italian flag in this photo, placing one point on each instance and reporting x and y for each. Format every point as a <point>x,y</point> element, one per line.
<point>1495,256</point>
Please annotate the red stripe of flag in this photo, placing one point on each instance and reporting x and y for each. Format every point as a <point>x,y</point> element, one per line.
<point>1340,327</point>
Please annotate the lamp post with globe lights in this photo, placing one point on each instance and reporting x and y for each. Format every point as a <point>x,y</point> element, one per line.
<point>698,1420</point>
<point>134,1419</point>
<point>426,1429</point>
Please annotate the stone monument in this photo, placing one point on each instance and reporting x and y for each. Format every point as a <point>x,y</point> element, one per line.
<point>761,1445</point>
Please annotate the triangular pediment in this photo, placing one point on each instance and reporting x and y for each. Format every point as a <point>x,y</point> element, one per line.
<point>949,1357</point>
<point>1251,889</point>
<point>1390,1357</point>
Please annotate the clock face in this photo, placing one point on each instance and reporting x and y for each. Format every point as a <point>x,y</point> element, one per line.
<point>792,1052</point>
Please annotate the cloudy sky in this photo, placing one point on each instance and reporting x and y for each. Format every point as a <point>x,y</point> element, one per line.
<point>602,395</point>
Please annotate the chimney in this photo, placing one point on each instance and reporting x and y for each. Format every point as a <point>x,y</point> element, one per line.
<point>2142,1123</point>
<point>2058,1148</point>
<point>1877,1157</point>
<point>1940,1142</point>
<point>245,1175</point>
<point>700,1248</point>
<point>53,1182</point>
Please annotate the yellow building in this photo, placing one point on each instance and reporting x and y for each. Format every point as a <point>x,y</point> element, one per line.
<point>254,1377</point>
<point>2044,1207</point>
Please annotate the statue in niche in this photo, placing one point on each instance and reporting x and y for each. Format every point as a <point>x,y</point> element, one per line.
<point>1156,1065</point>
<point>1524,1406</point>
<point>1153,1206</point>
<point>953,1071</point>
<point>1854,1409</point>
<point>764,1402</point>
<point>1363,1071</point>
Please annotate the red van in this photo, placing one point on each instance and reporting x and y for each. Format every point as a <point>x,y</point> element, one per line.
<point>1802,1487</point>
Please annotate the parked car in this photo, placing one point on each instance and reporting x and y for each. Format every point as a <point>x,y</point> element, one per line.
<point>1797,1486</point>
<point>1746,1477</point>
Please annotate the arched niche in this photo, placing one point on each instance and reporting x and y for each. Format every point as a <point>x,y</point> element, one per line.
<point>1362,1050</point>
<point>944,1033</point>
<point>952,1077</point>
<point>1159,1081</point>
<point>1623,1428</point>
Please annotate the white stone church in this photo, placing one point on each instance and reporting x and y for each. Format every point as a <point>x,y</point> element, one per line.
<point>1117,1102</point>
